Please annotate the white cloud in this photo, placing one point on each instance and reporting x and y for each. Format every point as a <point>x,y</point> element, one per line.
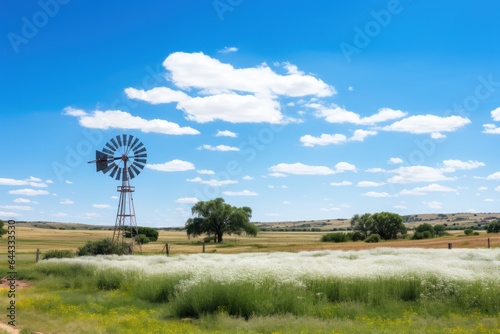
<point>101,206</point>
<point>341,184</point>
<point>220,148</point>
<point>336,114</point>
<point>222,92</point>
<point>89,215</point>
<point>360,135</point>
<point>491,129</point>
<point>9,214</point>
<point>428,124</point>
<point>117,119</point>
<point>24,200</point>
<point>369,184</point>
<point>434,187</point>
<point>482,188</point>
<point>212,182</point>
<point>375,170</point>
<point>175,165</point>
<point>344,167</point>
<point>495,114</point>
<point>226,133</point>
<point>414,174</point>
<point>278,175</point>
<point>399,206</point>
<point>324,139</point>
<point>301,169</point>
<point>31,181</point>
<point>247,178</point>
<point>70,111</point>
<point>114,197</point>
<point>434,204</point>
<point>494,176</point>
<point>28,192</point>
<point>376,194</point>
<point>350,88</point>
<point>228,49</point>
<point>451,166</point>
<point>395,161</point>
<point>240,193</point>
<point>66,201</point>
<point>497,188</point>
<point>16,207</point>
<point>187,200</point>
<point>206,172</point>
<point>489,200</point>
<point>49,182</point>
<point>69,182</point>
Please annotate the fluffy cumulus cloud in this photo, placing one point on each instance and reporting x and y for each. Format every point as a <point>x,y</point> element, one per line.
<point>414,174</point>
<point>28,192</point>
<point>31,181</point>
<point>434,204</point>
<point>175,165</point>
<point>228,49</point>
<point>492,128</point>
<point>428,124</point>
<point>395,161</point>
<point>335,139</point>
<point>494,176</point>
<point>369,184</point>
<point>341,184</point>
<point>337,114</point>
<point>219,91</point>
<point>226,133</point>
<point>451,166</point>
<point>117,119</point>
<point>16,207</point>
<point>240,193</point>
<point>220,148</point>
<point>431,188</point>
<point>377,194</point>
<point>212,182</point>
<point>299,168</point>
<point>187,200</point>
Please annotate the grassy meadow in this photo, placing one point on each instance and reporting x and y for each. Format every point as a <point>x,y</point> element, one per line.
<point>278,282</point>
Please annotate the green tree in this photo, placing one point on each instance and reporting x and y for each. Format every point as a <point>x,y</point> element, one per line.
<point>215,217</point>
<point>2,230</point>
<point>494,227</point>
<point>362,224</point>
<point>439,230</point>
<point>387,225</point>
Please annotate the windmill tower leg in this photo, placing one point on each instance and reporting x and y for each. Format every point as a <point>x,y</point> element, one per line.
<point>125,219</point>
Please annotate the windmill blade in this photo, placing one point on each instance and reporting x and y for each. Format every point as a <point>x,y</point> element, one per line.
<point>137,171</point>
<point>144,155</point>
<point>113,172</point>
<point>142,161</point>
<point>119,174</point>
<point>138,165</point>
<point>113,142</point>
<point>108,151</point>
<point>140,151</point>
<point>131,172</point>
<point>107,169</point>
<point>135,143</point>
<point>119,139</point>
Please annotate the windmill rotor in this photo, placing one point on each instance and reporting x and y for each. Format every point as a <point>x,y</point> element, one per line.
<point>123,157</point>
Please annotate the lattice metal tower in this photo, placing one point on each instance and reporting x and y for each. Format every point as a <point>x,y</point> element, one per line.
<point>123,157</point>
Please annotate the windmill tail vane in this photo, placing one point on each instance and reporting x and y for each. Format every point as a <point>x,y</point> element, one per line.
<point>123,157</point>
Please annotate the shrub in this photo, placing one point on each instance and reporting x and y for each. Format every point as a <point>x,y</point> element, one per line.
<point>102,247</point>
<point>373,238</point>
<point>142,239</point>
<point>57,254</point>
<point>468,231</point>
<point>336,237</point>
<point>494,227</point>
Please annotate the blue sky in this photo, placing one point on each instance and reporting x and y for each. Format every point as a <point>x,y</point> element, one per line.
<point>300,111</point>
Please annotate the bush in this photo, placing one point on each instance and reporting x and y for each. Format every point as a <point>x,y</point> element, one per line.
<point>373,238</point>
<point>335,237</point>
<point>494,227</point>
<point>102,247</point>
<point>468,231</point>
<point>142,239</point>
<point>57,254</point>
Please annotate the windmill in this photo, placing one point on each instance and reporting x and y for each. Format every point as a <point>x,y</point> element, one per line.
<point>123,157</point>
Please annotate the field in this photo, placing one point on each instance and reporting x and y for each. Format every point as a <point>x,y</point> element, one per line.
<point>278,282</point>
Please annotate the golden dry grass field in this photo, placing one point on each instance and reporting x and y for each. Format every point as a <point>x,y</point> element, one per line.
<point>29,239</point>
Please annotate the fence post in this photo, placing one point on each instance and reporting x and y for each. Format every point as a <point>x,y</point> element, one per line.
<point>488,242</point>
<point>37,254</point>
<point>203,246</point>
<point>450,245</point>
<point>167,250</point>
